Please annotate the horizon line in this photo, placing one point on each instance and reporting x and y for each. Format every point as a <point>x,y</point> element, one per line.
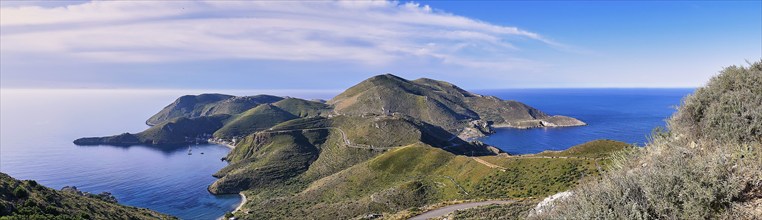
<point>316,90</point>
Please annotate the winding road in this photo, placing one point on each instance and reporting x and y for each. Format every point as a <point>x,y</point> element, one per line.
<point>451,208</point>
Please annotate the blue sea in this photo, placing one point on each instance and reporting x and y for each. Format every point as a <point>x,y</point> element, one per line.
<point>627,115</point>
<point>38,126</point>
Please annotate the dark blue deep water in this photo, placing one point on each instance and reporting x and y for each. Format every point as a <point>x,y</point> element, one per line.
<point>38,127</point>
<point>627,115</point>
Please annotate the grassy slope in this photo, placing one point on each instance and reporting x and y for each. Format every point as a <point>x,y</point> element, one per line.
<point>592,149</point>
<point>192,106</point>
<point>29,200</point>
<point>417,175</point>
<point>328,152</point>
<point>186,106</point>
<point>303,108</point>
<point>256,119</point>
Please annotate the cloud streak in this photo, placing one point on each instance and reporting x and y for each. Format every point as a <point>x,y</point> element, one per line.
<point>370,33</point>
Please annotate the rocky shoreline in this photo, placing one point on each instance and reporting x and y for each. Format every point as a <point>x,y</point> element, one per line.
<point>480,128</point>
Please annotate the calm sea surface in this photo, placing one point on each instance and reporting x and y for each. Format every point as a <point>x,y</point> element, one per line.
<point>38,127</point>
<point>627,115</point>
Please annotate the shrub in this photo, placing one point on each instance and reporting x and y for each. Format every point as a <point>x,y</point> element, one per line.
<point>728,108</point>
<point>20,192</point>
<point>709,165</point>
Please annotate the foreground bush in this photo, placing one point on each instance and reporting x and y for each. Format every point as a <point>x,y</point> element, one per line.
<point>708,166</point>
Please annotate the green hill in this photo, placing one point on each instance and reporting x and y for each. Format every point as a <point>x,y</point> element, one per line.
<point>592,149</point>
<point>191,106</point>
<point>315,147</point>
<point>29,200</point>
<point>256,119</point>
<point>442,104</point>
<point>303,108</point>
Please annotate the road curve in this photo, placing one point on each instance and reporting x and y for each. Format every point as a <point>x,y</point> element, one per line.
<point>451,208</point>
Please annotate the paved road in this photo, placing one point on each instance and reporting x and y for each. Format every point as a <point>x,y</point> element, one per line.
<point>451,208</point>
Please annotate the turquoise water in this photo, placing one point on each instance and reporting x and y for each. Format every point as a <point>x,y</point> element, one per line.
<point>38,127</point>
<point>627,115</point>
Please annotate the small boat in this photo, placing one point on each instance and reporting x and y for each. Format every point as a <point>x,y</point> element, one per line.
<point>189,150</point>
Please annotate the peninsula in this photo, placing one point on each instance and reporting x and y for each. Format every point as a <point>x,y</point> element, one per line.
<point>382,146</point>
<point>433,103</point>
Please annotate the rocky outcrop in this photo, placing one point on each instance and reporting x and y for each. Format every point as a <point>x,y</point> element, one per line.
<point>475,129</point>
<point>545,122</point>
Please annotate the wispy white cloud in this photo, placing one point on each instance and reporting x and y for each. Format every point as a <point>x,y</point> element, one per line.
<point>369,32</point>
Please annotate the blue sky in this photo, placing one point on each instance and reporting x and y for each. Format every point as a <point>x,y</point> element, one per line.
<point>333,45</point>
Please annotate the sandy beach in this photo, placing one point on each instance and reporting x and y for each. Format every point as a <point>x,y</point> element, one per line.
<point>243,201</point>
<point>211,141</point>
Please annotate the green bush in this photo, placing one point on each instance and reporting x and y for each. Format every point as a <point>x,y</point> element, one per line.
<point>20,192</point>
<point>728,108</point>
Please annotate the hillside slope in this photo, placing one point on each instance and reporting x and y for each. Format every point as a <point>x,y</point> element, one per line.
<point>193,106</point>
<point>256,119</point>
<point>442,104</point>
<point>402,179</point>
<point>170,133</point>
<point>315,147</point>
<point>30,200</point>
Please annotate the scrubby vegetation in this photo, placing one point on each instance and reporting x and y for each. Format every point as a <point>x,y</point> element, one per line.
<point>592,149</point>
<point>28,200</point>
<point>510,211</point>
<point>707,166</point>
<point>401,180</point>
